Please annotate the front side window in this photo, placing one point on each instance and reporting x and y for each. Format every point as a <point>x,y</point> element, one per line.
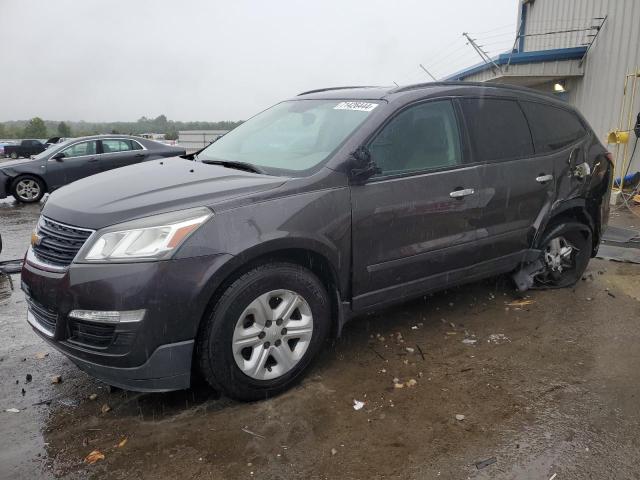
<point>115,145</point>
<point>291,136</point>
<point>498,129</point>
<point>80,149</point>
<point>422,137</point>
<point>553,128</point>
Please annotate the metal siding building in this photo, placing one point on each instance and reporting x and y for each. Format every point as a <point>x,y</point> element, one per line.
<point>193,140</point>
<point>595,87</point>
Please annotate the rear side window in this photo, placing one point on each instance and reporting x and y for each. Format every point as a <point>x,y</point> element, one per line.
<point>553,128</point>
<point>498,129</point>
<point>114,146</point>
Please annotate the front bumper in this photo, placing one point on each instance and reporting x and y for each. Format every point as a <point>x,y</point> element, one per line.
<point>4,185</point>
<point>151,355</point>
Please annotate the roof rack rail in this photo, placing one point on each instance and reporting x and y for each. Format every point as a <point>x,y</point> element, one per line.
<point>454,83</point>
<point>333,88</point>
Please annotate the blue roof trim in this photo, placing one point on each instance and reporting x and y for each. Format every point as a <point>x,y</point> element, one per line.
<point>572,53</point>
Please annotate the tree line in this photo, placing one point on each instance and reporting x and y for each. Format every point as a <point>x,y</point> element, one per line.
<point>39,128</point>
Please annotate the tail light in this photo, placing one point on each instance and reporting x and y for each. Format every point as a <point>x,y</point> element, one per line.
<point>609,156</point>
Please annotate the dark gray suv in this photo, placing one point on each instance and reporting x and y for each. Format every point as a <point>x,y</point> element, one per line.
<point>239,262</point>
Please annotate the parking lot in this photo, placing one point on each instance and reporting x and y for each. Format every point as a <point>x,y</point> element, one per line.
<point>493,386</point>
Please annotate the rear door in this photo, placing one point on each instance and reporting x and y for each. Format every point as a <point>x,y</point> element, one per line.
<point>79,160</point>
<point>119,152</point>
<point>518,187</point>
<point>415,222</point>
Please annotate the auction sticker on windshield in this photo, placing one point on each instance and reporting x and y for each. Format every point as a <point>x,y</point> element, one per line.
<point>359,106</point>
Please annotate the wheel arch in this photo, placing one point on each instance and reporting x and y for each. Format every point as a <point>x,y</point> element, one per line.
<point>314,259</point>
<point>12,180</point>
<point>576,210</point>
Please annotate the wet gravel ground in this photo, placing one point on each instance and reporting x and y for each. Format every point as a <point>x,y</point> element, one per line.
<point>549,387</point>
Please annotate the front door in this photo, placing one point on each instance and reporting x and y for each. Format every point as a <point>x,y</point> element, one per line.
<point>414,224</point>
<point>78,161</point>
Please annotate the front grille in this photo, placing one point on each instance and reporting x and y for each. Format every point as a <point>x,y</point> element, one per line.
<point>46,317</point>
<point>59,243</point>
<point>89,334</point>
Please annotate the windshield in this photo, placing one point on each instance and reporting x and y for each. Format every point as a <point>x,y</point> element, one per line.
<point>56,147</point>
<point>295,135</point>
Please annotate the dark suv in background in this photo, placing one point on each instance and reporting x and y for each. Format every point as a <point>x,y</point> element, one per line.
<point>238,263</point>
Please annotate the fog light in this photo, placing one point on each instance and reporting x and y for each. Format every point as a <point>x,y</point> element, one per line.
<point>101,316</point>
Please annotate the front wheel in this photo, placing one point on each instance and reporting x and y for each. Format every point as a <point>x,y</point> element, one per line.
<point>264,331</point>
<point>14,155</point>
<point>27,189</point>
<point>566,250</point>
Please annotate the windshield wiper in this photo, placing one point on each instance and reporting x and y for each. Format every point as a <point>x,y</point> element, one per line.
<point>247,167</point>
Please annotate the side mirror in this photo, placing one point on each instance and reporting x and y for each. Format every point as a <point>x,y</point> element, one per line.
<point>58,157</point>
<point>362,166</point>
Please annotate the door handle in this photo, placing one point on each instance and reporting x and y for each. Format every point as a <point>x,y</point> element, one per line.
<point>91,160</point>
<point>462,193</point>
<point>544,178</point>
<point>139,155</point>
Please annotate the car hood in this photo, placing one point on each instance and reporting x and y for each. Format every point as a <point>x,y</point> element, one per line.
<point>150,188</point>
<point>10,164</point>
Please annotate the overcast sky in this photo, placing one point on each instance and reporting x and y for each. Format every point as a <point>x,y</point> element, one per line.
<point>101,60</point>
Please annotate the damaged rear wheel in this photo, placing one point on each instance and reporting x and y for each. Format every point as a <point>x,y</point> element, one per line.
<point>566,250</point>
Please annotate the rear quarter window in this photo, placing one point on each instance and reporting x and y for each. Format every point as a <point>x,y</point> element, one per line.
<point>498,129</point>
<point>553,128</point>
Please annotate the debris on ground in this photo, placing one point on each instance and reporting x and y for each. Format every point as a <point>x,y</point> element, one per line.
<point>42,355</point>
<point>105,408</point>
<point>498,338</point>
<point>485,463</point>
<point>460,417</point>
<point>470,341</point>
<point>93,457</point>
<point>93,396</point>
<point>12,410</point>
<point>56,379</point>
<point>552,477</point>
<point>412,382</point>
<point>519,303</point>
<point>334,451</point>
<point>357,404</point>
<point>398,385</point>
<point>410,349</point>
<point>122,442</point>
<point>257,435</point>
<point>29,377</point>
<point>23,392</point>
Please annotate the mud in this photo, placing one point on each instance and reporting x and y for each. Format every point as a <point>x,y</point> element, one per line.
<point>548,387</point>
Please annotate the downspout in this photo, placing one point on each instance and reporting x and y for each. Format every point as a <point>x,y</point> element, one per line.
<point>523,22</point>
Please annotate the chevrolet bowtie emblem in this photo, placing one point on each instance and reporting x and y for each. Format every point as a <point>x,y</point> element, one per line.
<point>35,239</point>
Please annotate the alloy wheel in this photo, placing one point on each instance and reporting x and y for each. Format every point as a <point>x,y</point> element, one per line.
<point>28,189</point>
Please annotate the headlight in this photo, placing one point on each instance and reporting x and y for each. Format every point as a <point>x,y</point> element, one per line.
<point>150,238</point>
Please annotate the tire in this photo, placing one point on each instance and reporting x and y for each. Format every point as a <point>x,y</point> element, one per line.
<point>566,253</point>
<point>244,350</point>
<point>27,189</point>
<point>14,155</point>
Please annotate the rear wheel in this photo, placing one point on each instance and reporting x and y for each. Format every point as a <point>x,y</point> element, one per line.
<point>566,250</point>
<point>264,331</point>
<point>27,189</point>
